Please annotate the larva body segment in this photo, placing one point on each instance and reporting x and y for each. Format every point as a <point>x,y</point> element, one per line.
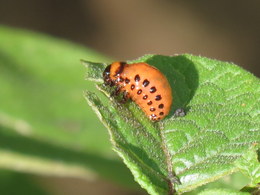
<point>144,84</point>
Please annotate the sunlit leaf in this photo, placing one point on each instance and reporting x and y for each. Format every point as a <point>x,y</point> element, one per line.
<point>222,102</point>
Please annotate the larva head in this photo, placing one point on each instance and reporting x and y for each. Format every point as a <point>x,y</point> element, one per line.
<point>112,72</point>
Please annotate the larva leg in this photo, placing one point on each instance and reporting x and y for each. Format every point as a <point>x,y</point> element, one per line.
<point>109,83</point>
<point>125,97</point>
<point>116,91</point>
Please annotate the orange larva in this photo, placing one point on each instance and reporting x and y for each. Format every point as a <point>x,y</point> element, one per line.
<point>142,83</point>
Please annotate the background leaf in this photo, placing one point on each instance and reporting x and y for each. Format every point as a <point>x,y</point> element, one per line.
<point>222,122</point>
<point>45,125</point>
<point>13,182</point>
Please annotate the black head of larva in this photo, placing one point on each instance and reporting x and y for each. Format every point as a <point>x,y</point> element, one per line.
<point>111,74</point>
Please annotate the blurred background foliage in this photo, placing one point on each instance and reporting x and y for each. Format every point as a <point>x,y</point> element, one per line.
<point>224,30</point>
<point>122,30</point>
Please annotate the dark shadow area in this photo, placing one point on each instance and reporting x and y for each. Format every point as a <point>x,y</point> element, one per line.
<point>13,182</point>
<point>58,18</point>
<point>37,148</point>
<point>227,15</point>
<point>182,76</point>
<point>237,19</point>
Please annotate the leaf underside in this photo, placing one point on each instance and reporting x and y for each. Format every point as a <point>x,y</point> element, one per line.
<point>222,102</point>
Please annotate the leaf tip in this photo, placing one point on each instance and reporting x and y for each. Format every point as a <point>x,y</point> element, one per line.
<point>85,63</point>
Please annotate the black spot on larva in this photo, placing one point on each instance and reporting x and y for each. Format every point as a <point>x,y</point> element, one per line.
<point>145,97</point>
<point>158,97</point>
<point>139,91</point>
<point>121,79</point>
<point>132,86</point>
<point>137,78</point>
<point>158,118</point>
<point>149,103</point>
<point>161,113</point>
<point>161,106</point>
<point>146,83</point>
<point>152,90</point>
<point>152,109</point>
<point>127,80</point>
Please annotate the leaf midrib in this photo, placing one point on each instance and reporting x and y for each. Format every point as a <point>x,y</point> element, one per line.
<point>169,165</point>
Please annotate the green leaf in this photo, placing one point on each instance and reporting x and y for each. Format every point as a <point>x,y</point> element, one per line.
<point>42,82</point>
<point>179,154</point>
<point>234,181</point>
<point>45,125</point>
<point>249,165</point>
<point>222,192</point>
